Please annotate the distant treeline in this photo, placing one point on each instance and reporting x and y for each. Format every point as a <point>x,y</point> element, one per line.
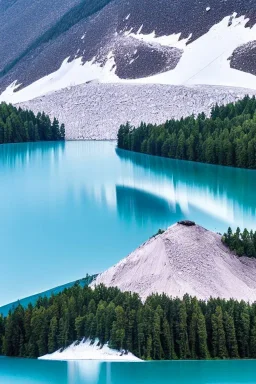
<point>228,137</point>
<point>18,125</point>
<point>243,243</point>
<point>160,328</point>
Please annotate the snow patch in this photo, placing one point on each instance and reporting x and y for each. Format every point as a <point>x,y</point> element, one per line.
<point>127,33</point>
<point>87,350</point>
<point>166,41</point>
<point>140,29</point>
<point>206,60</point>
<point>69,74</point>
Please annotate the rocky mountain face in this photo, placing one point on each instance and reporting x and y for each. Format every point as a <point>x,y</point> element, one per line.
<point>69,42</point>
<point>184,260</point>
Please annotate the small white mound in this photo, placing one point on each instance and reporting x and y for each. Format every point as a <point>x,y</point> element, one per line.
<point>86,350</point>
<point>184,260</point>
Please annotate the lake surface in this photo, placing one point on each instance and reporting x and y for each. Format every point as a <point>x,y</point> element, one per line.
<point>77,207</point>
<point>15,371</point>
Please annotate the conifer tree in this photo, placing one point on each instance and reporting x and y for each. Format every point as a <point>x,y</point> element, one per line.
<point>202,352</point>
<point>218,334</point>
<point>52,338</point>
<point>182,333</point>
<point>232,347</point>
<point>226,138</point>
<point>18,125</point>
<point>157,347</point>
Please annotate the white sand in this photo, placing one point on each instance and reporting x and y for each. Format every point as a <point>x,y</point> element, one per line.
<point>184,260</point>
<point>87,351</point>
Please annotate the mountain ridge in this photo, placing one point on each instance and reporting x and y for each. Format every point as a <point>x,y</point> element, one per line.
<point>123,40</point>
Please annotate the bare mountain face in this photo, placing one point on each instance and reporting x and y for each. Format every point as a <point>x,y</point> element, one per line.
<point>184,260</point>
<point>70,42</point>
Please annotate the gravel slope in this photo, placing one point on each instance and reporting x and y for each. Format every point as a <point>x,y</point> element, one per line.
<point>95,111</point>
<point>184,260</point>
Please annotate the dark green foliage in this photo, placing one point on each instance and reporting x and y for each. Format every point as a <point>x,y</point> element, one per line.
<point>17,126</point>
<point>242,243</point>
<point>160,328</point>
<point>228,137</point>
<point>159,232</point>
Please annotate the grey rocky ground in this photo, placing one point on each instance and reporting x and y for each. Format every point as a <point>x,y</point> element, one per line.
<point>184,260</point>
<point>95,111</point>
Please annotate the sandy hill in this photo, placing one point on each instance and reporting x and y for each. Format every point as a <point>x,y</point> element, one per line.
<point>184,259</point>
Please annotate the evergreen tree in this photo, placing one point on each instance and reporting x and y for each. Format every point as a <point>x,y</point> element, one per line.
<point>160,328</point>
<point>218,335</point>
<point>18,125</point>
<point>232,347</point>
<point>182,332</point>
<point>202,352</point>
<point>226,138</point>
<point>52,338</point>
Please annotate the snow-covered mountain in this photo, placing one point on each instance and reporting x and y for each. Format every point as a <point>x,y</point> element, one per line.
<point>48,45</point>
<point>184,259</point>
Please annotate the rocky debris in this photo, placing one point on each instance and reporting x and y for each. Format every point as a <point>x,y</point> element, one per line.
<point>184,260</point>
<point>95,111</point>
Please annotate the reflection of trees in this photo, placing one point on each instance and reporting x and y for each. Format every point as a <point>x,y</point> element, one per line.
<point>22,153</point>
<point>238,185</point>
<point>132,202</point>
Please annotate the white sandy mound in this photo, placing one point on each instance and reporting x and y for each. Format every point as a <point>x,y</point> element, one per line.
<point>87,351</point>
<point>184,260</point>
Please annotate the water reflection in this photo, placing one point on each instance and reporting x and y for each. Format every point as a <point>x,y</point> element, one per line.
<point>173,372</point>
<point>225,194</point>
<point>26,371</point>
<point>22,154</point>
<point>143,205</point>
<point>94,204</point>
<point>88,372</point>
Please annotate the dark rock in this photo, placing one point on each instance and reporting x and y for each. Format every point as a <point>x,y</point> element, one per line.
<point>187,223</point>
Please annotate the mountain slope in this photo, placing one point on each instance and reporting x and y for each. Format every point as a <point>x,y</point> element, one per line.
<point>184,259</point>
<point>83,108</point>
<point>163,41</point>
<point>4,310</point>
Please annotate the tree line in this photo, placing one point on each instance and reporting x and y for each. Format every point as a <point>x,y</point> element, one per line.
<point>242,243</point>
<point>159,328</point>
<point>18,125</point>
<point>227,137</point>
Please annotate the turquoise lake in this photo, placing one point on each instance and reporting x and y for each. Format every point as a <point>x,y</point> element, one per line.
<point>73,208</point>
<point>15,371</point>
